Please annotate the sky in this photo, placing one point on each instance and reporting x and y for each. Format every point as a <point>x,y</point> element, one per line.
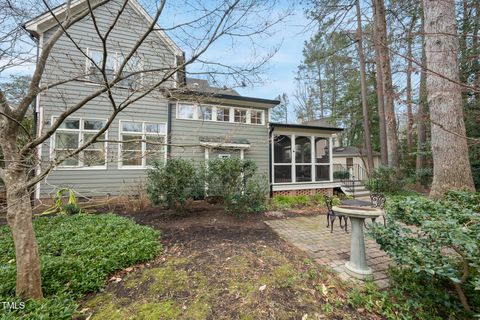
<point>287,37</point>
<point>282,68</point>
<point>277,75</point>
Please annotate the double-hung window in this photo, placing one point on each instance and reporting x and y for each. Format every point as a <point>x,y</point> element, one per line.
<point>95,63</point>
<point>71,135</point>
<point>132,72</point>
<point>143,143</point>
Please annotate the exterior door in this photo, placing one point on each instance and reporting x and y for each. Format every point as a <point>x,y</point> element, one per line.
<point>350,166</point>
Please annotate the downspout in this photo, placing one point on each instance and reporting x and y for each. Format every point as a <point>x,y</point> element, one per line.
<point>169,130</point>
<point>270,175</point>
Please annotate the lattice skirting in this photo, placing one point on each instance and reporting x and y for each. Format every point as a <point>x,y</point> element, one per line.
<point>304,192</point>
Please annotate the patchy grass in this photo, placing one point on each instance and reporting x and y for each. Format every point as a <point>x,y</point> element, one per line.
<point>253,282</point>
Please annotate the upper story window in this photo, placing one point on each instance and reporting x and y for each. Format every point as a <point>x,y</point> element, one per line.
<point>240,115</point>
<point>206,113</point>
<point>143,143</point>
<point>95,64</point>
<point>223,114</point>
<point>131,71</point>
<point>186,111</point>
<point>190,111</point>
<point>256,116</point>
<point>71,135</point>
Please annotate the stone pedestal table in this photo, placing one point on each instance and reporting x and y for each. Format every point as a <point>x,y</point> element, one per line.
<point>357,266</point>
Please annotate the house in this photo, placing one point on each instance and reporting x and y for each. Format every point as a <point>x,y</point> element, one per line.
<point>353,160</point>
<point>184,118</point>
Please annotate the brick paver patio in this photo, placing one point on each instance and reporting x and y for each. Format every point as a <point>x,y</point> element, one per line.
<point>311,235</point>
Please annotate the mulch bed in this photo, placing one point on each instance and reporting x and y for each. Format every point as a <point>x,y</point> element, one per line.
<point>208,239</point>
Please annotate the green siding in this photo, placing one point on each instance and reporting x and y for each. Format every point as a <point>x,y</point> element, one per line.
<point>187,132</point>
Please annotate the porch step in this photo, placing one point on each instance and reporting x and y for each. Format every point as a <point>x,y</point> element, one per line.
<point>358,191</point>
<point>357,194</point>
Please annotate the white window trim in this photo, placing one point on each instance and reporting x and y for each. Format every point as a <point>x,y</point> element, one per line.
<point>247,115</point>
<point>195,110</point>
<point>116,64</point>
<point>143,135</point>
<point>80,131</point>
<point>197,114</point>
<point>294,163</point>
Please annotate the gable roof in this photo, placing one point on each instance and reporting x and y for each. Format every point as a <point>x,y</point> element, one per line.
<point>45,21</point>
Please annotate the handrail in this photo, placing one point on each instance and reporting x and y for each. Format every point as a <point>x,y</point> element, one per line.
<point>357,171</point>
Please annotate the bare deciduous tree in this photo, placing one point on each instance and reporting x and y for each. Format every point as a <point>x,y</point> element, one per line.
<point>222,19</point>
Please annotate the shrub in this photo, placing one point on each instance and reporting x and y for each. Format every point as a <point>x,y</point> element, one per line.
<point>227,176</point>
<point>384,179</point>
<point>77,254</point>
<point>235,182</point>
<point>172,183</point>
<point>301,201</point>
<point>443,247</point>
<point>343,175</point>
<point>252,199</point>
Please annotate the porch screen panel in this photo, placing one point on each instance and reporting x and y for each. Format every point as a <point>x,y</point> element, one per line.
<point>322,159</point>
<point>303,159</point>
<point>282,158</point>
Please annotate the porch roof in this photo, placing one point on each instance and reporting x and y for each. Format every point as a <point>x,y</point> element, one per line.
<point>303,126</point>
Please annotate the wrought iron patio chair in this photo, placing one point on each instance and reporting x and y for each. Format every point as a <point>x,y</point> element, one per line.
<point>331,216</point>
<point>377,200</point>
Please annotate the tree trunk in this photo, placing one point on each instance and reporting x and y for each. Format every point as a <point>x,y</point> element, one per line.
<point>451,165</point>
<point>389,107</point>
<point>475,50</point>
<point>334,86</point>
<point>422,112</point>
<point>363,82</point>
<point>19,217</point>
<point>320,90</point>
<point>409,86</point>
<point>380,103</point>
